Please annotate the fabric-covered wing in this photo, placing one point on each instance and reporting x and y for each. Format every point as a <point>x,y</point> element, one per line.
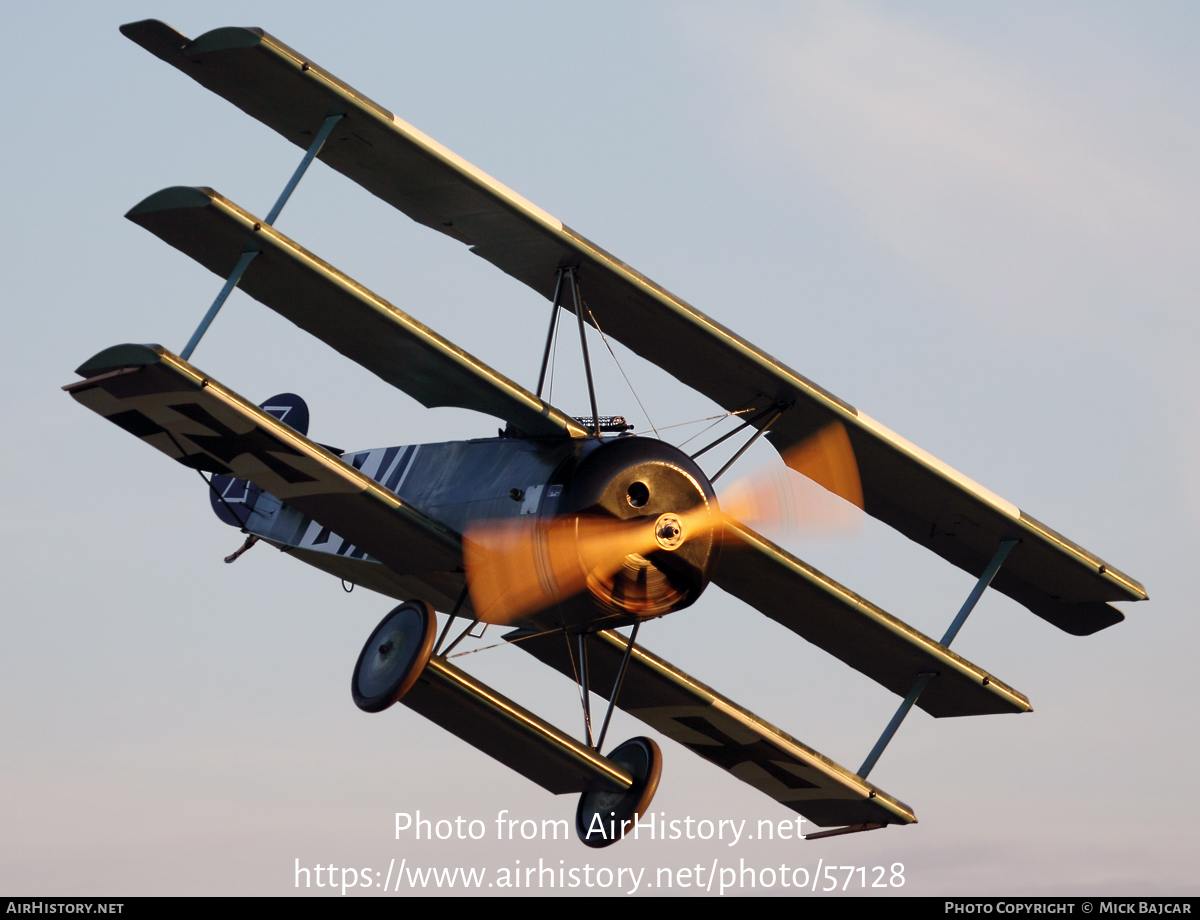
<point>321,300</point>
<point>176,408</point>
<point>837,620</point>
<point>723,733</point>
<point>510,733</point>
<point>903,485</point>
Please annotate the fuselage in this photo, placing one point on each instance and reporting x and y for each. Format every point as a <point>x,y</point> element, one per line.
<point>464,483</point>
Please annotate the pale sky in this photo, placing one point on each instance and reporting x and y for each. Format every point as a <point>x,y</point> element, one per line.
<point>977,223</point>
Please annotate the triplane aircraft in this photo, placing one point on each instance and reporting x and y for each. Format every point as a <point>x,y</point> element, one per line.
<point>564,528</point>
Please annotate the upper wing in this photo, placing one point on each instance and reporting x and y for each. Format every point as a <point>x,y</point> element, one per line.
<point>903,485</point>
<point>721,731</point>
<point>837,620</point>
<point>191,418</point>
<point>321,300</point>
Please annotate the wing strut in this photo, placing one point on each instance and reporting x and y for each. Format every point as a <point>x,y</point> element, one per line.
<point>925,677</point>
<point>248,256</point>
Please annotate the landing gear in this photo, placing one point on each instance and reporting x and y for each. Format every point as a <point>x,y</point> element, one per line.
<point>397,664</point>
<point>603,818</point>
<point>394,656</point>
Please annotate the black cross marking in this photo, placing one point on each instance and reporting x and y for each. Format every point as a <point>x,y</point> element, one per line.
<point>228,444</point>
<point>730,754</point>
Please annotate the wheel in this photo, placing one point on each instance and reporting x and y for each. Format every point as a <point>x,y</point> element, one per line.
<point>394,656</point>
<point>599,815</point>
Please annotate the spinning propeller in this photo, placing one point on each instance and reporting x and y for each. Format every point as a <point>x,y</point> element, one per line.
<point>646,564</point>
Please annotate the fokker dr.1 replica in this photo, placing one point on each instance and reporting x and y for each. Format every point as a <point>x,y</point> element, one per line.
<point>565,529</point>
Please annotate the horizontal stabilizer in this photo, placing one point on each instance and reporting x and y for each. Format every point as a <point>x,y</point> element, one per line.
<point>174,407</point>
<point>509,733</point>
<point>723,733</point>
<point>907,488</point>
<point>837,620</point>
<point>342,313</point>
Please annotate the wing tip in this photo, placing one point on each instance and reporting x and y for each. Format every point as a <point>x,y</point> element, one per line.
<point>1088,620</point>
<point>173,198</point>
<point>118,356</point>
<point>157,37</point>
<point>172,46</point>
<point>226,38</point>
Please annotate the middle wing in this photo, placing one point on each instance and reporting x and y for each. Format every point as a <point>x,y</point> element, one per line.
<point>850,628</point>
<point>336,309</point>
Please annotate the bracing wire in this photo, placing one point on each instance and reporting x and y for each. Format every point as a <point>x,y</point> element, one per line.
<point>709,427</point>
<point>506,642</point>
<point>575,671</point>
<point>553,359</point>
<point>621,369</point>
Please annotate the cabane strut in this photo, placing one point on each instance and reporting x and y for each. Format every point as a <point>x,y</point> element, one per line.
<point>570,274</point>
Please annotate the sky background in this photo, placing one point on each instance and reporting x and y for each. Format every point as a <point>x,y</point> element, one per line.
<point>976,222</point>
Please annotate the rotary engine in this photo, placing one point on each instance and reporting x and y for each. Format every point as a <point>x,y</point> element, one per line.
<point>654,484</point>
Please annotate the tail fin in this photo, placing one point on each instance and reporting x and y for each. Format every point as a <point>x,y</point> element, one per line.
<point>233,499</point>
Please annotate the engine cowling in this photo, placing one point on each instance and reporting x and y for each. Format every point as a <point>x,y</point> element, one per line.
<point>631,478</point>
